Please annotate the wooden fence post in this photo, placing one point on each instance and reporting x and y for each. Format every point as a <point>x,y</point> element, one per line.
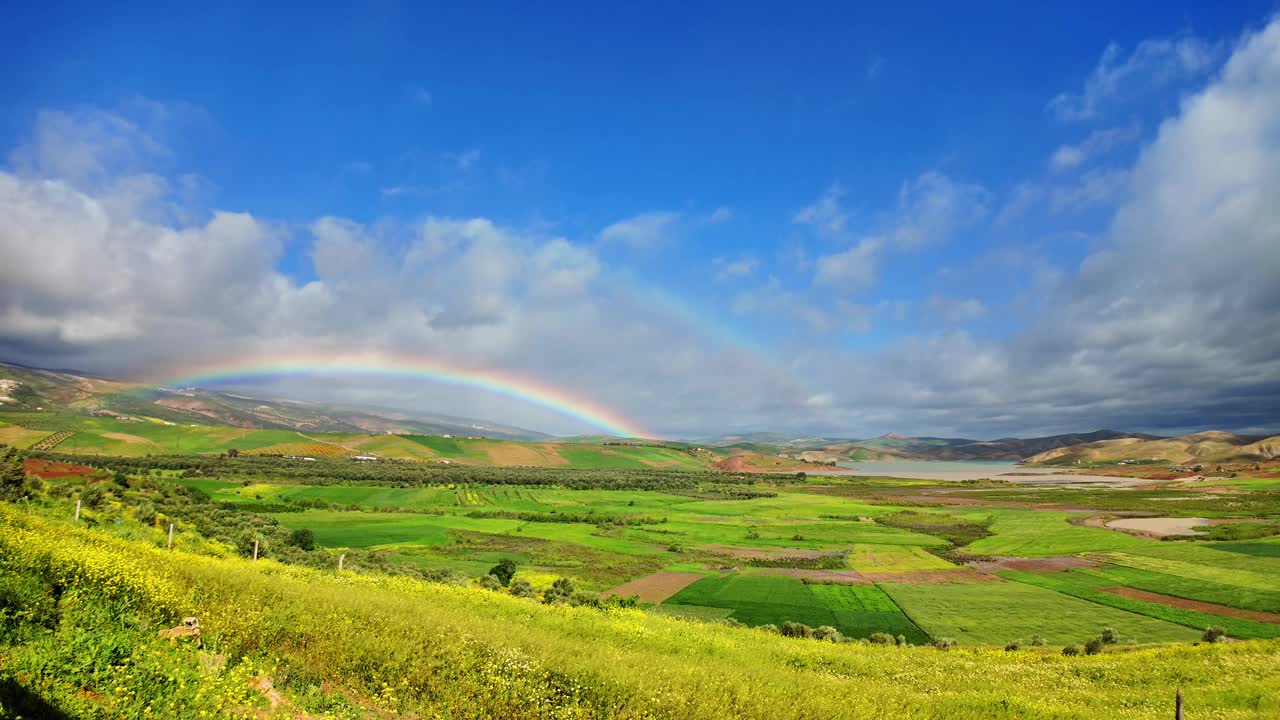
<point>77,511</point>
<point>1177,706</point>
<point>170,536</point>
<point>341,558</point>
<point>255,550</point>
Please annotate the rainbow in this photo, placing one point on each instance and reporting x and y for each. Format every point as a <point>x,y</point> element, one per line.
<point>502,383</point>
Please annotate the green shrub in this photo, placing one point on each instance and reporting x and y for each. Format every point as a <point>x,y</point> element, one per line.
<point>880,638</point>
<point>944,643</point>
<point>521,587</point>
<point>303,538</point>
<point>1071,650</point>
<point>1110,636</point>
<point>1093,646</point>
<point>1038,641</point>
<point>828,633</point>
<point>1213,634</point>
<point>795,629</point>
<point>490,582</point>
<point>1013,645</point>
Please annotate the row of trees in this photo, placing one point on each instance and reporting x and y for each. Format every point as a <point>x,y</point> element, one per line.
<point>408,473</point>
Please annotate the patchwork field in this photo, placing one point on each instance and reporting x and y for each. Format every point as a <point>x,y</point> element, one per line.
<point>926,560</point>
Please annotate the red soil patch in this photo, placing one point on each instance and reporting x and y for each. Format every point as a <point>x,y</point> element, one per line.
<point>1040,565</point>
<point>851,577</point>
<point>934,577</point>
<point>1185,604</point>
<point>49,470</point>
<point>656,587</point>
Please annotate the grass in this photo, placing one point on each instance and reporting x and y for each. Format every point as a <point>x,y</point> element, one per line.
<point>350,645</point>
<point>1199,565</point>
<point>1087,586</point>
<point>1191,589</point>
<point>1037,533</point>
<point>881,558</point>
<point>854,610</point>
<point>995,613</point>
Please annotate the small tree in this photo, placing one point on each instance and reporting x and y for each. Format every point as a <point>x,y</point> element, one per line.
<point>1071,650</point>
<point>13,480</point>
<point>944,643</point>
<point>1013,645</point>
<point>490,582</point>
<point>303,538</point>
<point>900,641</point>
<point>1213,634</point>
<point>880,638</point>
<point>1110,636</point>
<point>504,571</point>
<point>1093,646</point>
<point>232,452</point>
<point>1038,641</point>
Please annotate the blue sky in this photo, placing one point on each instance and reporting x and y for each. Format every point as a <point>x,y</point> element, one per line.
<point>826,199</point>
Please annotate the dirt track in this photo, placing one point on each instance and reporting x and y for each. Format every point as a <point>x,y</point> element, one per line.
<point>1185,604</point>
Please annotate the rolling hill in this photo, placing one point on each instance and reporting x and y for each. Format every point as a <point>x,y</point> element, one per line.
<point>1211,446</point>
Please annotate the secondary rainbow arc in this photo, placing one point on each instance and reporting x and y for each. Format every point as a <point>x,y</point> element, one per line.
<point>525,389</point>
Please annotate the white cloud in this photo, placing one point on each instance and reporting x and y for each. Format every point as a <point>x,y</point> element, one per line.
<point>1098,143</point>
<point>1095,188</point>
<point>954,311</point>
<point>853,269</point>
<point>933,206</point>
<point>721,214</point>
<point>646,231</point>
<point>771,300</point>
<point>734,268</point>
<point>1152,64</point>
<point>826,214</point>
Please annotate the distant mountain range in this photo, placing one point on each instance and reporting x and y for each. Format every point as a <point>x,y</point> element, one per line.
<point>25,388</point>
<point>899,447</point>
<point>28,388</point>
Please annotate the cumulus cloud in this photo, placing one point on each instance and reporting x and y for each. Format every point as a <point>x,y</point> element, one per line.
<point>1171,320</point>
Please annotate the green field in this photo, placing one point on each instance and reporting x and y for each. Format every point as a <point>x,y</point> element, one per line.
<point>854,610</point>
<point>880,558</point>
<point>1087,586</point>
<point>994,613</point>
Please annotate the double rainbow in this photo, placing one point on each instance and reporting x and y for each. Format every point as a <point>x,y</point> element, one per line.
<point>506,384</point>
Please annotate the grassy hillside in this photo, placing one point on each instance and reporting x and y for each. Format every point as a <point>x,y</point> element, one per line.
<point>352,645</point>
<point>141,436</point>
